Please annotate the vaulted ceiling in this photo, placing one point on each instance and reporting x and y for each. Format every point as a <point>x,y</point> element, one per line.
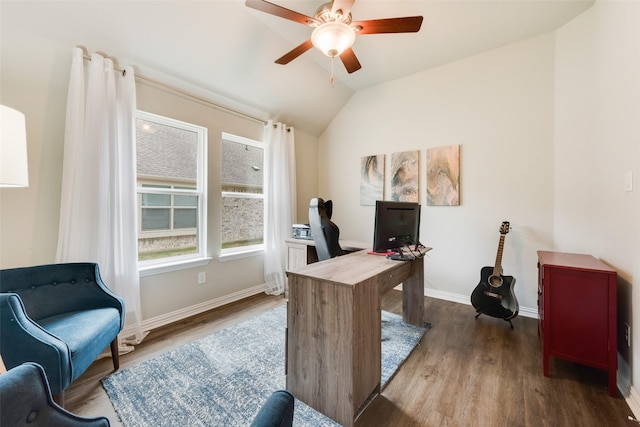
<point>226,48</point>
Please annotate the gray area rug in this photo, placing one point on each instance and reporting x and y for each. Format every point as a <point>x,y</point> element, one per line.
<point>224,378</point>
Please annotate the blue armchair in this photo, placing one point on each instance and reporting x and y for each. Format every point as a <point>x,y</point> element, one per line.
<point>25,399</point>
<point>60,316</point>
<point>277,411</point>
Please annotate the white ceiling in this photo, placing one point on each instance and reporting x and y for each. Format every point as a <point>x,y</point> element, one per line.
<point>223,47</point>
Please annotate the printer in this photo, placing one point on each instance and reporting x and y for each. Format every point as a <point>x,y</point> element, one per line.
<point>302,231</point>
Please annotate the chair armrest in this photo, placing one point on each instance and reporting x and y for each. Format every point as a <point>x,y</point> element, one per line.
<point>110,296</point>
<point>22,340</point>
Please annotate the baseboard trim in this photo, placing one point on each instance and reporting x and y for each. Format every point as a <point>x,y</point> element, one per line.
<point>165,319</point>
<point>174,316</point>
<point>633,400</point>
<point>628,392</point>
<point>466,299</point>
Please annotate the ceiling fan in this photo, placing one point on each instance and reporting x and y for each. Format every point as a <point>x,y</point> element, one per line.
<point>334,31</point>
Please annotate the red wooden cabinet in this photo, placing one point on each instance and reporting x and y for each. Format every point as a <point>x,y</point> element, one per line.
<point>577,310</point>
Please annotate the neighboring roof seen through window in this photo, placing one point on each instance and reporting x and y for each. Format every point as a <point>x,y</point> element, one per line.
<point>164,151</point>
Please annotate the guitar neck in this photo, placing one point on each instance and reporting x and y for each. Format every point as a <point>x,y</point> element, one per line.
<point>497,268</point>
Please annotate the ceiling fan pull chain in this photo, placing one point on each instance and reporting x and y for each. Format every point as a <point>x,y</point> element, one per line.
<point>331,79</point>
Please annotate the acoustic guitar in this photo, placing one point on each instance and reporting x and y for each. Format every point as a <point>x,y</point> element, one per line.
<point>494,294</point>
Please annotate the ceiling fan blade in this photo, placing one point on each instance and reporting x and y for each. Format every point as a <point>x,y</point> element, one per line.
<point>282,12</point>
<point>294,53</point>
<point>350,61</point>
<point>343,5</point>
<point>409,24</point>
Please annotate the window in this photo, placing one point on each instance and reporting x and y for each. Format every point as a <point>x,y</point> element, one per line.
<point>242,194</point>
<point>169,212</point>
<point>171,177</point>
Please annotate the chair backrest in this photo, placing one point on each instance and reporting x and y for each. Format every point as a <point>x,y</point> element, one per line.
<point>325,233</point>
<point>25,399</point>
<point>48,290</point>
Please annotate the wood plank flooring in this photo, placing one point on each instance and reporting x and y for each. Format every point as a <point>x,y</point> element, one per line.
<point>464,372</point>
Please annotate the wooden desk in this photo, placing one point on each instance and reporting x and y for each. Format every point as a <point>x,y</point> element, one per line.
<point>334,328</point>
<point>301,252</point>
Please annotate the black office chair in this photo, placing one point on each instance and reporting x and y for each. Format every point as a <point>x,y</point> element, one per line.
<point>325,233</point>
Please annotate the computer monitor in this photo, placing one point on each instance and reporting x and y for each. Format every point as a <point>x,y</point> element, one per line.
<point>397,224</point>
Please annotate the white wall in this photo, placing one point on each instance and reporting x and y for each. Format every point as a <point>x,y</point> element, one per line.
<point>499,107</point>
<point>171,292</point>
<point>306,173</point>
<point>34,79</point>
<point>547,127</point>
<point>165,293</point>
<point>597,140</point>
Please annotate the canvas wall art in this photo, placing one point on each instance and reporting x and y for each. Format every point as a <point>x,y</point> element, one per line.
<point>443,176</point>
<point>371,179</point>
<point>405,175</point>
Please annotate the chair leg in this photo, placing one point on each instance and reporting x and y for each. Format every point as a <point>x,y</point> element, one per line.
<point>114,354</point>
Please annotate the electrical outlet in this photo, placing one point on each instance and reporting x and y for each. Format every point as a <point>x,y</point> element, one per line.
<point>202,278</point>
<point>628,181</point>
<point>627,334</point>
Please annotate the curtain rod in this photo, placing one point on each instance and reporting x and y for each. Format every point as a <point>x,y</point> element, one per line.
<point>182,92</point>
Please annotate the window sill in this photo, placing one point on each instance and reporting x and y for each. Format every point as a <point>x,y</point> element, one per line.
<point>239,254</point>
<point>150,270</point>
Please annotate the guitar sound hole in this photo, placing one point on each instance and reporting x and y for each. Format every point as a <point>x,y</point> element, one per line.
<point>495,281</point>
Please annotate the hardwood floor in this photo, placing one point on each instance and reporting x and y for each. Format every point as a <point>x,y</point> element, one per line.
<point>464,372</point>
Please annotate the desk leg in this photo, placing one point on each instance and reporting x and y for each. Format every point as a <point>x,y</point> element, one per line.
<point>413,295</point>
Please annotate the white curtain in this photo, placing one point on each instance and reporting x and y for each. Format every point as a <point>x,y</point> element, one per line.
<point>280,202</point>
<point>98,202</point>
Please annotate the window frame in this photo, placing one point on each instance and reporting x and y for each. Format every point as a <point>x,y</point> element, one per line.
<point>200,257</point>
<point>248,250</point>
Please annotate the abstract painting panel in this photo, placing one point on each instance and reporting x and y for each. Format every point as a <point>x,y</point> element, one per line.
<point>371,179</point>
<point>443,176</point>
<point>405,174</point>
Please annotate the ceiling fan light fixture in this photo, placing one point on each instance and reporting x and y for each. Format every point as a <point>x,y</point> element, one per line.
<point>333,38</point>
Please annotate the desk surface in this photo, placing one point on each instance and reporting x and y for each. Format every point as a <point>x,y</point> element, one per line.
<point>349,245</point>
<point>350,269</point>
